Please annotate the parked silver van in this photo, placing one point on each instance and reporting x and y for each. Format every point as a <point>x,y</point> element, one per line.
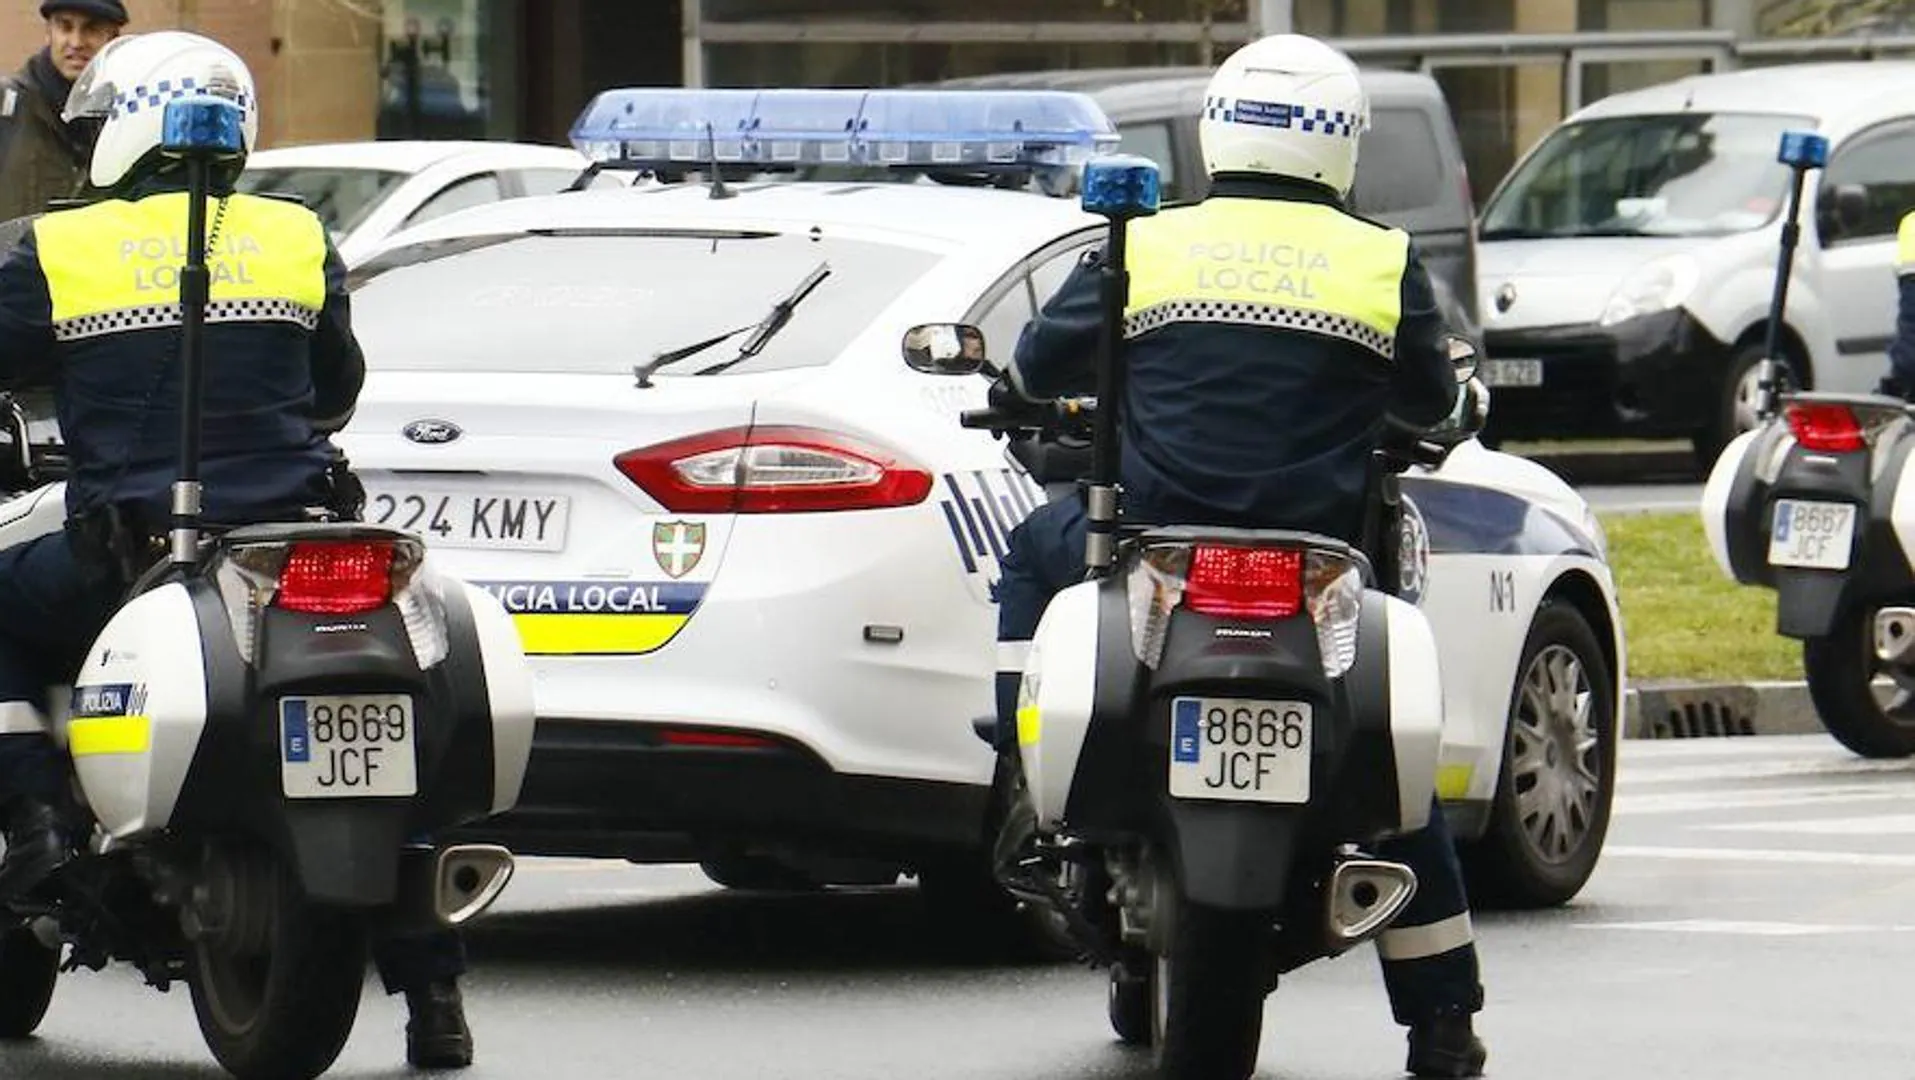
<point>1627,261</point>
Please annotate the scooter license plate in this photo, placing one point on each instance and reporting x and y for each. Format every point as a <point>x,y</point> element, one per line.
<point>1239,750</point>
<point>1812,535</point>
<point>347,746</point>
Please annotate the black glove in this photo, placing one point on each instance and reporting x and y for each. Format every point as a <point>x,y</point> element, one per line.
<point>1890,386</point>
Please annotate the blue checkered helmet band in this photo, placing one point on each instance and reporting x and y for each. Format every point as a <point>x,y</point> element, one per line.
<point>1277,114</point>
<point>157,95</point>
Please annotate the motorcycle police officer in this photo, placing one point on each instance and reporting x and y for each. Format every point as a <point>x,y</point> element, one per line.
<point>1900,380</point>
<point>1270,337</point>
<point>90,308</point>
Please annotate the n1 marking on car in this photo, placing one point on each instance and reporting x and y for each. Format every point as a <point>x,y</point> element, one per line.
<point>596,618</point>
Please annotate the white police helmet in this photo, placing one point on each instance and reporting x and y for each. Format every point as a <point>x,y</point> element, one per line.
<point>1286,105</point>
<point>129,83</point>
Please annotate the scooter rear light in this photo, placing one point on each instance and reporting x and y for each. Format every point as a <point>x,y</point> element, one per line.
<point>1825,427</point>
<point>1249,583</point>
<point>336,578</point>
<point>332,577</point>
<point>1245,583</point>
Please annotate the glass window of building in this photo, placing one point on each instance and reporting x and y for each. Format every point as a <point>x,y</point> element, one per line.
<point>917,11</point>
<point>449,69</point>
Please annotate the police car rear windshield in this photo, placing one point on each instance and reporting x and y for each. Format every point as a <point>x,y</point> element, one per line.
<point>599,302</point>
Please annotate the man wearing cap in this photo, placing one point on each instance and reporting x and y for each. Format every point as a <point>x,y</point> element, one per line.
<point>41,157</point>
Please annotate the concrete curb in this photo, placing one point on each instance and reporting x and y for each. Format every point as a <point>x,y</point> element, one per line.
<point>1682,710</point>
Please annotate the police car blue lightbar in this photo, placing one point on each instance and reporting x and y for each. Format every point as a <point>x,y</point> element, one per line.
<point>962,129</point>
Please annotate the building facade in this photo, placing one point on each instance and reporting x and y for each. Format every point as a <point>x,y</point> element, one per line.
<point>354,69</point>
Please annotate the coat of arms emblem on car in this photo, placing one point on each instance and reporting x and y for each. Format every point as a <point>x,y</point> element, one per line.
<point>678,545</point>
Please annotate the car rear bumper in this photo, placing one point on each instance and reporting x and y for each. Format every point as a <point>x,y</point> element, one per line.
<point>622,790</point>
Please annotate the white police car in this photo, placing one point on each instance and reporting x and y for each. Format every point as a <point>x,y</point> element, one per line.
<point>755,575</point>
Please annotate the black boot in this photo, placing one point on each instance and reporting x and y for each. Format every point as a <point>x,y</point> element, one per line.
<point>436,1034</point>
<point>35,847</point>
<point>1446,1047</point>
<point>1017,829</point>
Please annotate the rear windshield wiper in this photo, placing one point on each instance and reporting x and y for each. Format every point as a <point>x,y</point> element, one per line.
<point>774,322</point>
<point>764,328</point>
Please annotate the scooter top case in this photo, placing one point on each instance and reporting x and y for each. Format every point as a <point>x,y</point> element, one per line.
<point>1105,730</point>
<point>1869,478</point>
<point>317,686</point>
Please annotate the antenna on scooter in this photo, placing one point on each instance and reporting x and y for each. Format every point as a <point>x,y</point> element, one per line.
<point>1800,151</point>
<point>1118,187</point>
<point>200,130</point>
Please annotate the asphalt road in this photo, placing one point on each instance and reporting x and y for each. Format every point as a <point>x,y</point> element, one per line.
<point>1753,917</point>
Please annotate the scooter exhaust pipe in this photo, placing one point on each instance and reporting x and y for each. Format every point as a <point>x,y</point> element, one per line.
<point>1895,635</point>
<point>467,879</point>
<point>1365,896</point>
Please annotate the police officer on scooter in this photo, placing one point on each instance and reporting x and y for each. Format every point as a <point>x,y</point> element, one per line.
<point>1900,380</point>
<point>90,309</point>
<point>1271,337</point>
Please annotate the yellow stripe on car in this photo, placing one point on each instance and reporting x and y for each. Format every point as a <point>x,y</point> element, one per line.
<point>596,635</point>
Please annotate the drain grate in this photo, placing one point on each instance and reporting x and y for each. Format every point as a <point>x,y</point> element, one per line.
<point>1699,713</point>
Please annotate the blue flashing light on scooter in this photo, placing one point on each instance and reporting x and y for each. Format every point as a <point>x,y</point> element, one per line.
<point>1801,151</point>
<point>202,130</point>
<point>1119,187</point>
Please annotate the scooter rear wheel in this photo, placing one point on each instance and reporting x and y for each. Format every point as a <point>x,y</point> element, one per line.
<point>1207,1013</point>
<point>1841,670</point>
<point>28,970</point>
<point>282,1012</point>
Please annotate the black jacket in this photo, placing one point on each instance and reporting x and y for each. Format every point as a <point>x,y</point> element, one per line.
<point>1248,426</point>
<point>272,393</point>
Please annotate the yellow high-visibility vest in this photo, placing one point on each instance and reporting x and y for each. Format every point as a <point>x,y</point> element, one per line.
<point>114,266</point>
<point>1287,265</point>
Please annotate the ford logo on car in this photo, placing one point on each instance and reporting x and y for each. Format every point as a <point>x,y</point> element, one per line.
<point>431,432</point>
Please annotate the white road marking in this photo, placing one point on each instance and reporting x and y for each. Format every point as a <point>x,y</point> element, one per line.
<point>1746,927</point>
<point>1690,802</point>
<point>1761,770</point>
<point>1878,825</point>
<point>1760,855</point>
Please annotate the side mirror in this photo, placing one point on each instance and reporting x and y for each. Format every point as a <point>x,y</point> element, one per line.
<point>1463,356</point>
<point>945,349</point>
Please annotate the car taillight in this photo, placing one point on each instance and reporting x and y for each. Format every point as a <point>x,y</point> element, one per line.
<point>1245,583</point>
<point>1249,583</point>
<point>333,578</point>
<point>773,470</point>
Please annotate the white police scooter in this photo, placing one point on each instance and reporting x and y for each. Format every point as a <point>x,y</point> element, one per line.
<point>1818,503</point>
<point>257,736</point>
<point>1210,727</point>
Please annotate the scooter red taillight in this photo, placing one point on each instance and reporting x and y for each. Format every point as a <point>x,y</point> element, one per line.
<point>1827,428</point>
<point>1244,583</point>
<point>319,575</point>
<point>1254,583</point>
<point>335,578</point>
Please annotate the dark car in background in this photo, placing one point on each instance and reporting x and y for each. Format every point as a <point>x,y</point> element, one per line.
<point>1410,170</point>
